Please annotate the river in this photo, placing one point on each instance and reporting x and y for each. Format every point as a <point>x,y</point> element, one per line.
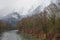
<point>12,35</point>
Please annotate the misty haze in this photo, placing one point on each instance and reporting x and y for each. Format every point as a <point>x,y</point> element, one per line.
<point>29,19</point>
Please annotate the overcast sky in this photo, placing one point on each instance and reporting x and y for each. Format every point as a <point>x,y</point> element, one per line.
<point>8,6</point>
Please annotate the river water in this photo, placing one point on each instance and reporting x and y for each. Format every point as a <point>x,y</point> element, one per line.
<point>12,35</point>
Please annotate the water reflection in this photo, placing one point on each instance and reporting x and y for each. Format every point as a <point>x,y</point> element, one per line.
<point>13,35</point>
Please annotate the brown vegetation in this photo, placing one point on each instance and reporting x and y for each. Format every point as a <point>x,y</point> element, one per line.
<point>41,25</point>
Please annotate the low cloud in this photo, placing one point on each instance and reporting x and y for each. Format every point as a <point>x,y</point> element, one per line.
<point>21,6</point>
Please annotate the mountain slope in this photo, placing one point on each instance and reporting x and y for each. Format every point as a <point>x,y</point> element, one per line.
<point>11,18</point>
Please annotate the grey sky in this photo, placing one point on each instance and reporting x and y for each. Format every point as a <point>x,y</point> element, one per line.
<point>8,6</point>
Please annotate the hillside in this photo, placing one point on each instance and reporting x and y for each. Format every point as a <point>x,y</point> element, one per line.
<point>44,25</point>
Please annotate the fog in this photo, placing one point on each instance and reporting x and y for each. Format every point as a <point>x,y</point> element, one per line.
<point>21,6</point>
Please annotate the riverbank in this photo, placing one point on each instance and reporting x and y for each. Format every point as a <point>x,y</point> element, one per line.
<point>29,37</point>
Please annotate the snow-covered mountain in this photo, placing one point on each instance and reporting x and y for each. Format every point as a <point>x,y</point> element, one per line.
<point>53,8</point>
<point>12,18</point>
<point>57,3</point>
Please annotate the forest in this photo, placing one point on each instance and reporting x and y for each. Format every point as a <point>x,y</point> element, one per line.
<point>42,25</point>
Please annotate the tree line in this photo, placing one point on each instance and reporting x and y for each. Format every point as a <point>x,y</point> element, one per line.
<point>42,25</point>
